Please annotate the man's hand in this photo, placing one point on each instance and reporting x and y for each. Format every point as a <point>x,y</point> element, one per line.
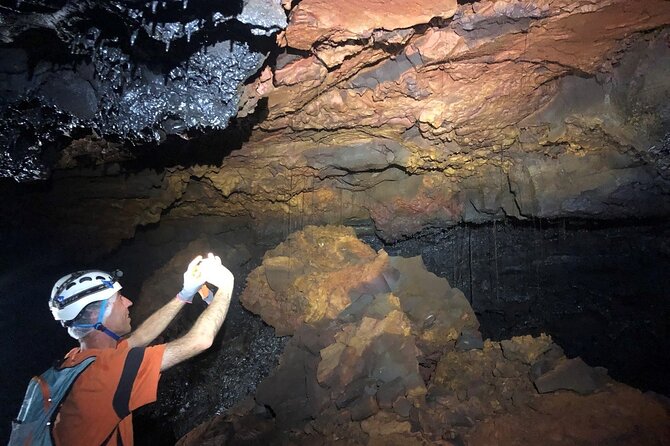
<point>193,280</point>
<point>159,320</point>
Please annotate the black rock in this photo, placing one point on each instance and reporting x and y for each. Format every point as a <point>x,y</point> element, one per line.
<point>573,374</point>
<point>469,340</point>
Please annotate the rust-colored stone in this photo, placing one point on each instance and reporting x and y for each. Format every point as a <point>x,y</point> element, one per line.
<point>313,274</point>
<point>618,416</point>
<point>307,72</point>
<point>542,109</point>
<point>354,376</point>
<point>316,20</point>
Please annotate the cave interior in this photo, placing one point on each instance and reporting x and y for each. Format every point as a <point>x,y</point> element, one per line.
<point>447,220</point>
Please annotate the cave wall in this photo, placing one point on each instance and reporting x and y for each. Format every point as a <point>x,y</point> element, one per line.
<point>498,109</point>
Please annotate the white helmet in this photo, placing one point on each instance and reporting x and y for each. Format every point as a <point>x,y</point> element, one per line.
<point>74,291</point>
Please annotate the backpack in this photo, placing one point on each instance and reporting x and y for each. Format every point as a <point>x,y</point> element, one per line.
<point>41,404</point>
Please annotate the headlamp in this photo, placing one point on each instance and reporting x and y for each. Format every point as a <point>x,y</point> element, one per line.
<point>62,301</point>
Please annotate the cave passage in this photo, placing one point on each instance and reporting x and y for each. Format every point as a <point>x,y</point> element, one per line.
<point>598,290</point>
<point>448,221</point>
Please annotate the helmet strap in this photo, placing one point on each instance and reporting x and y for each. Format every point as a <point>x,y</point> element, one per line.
<point>98,325</point>
<point>107,331</point>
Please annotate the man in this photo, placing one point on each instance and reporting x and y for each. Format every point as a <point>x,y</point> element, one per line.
<point>125,373</point>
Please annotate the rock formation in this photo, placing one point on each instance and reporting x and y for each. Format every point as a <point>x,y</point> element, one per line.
<point>105,68</point>
<point>428,116</point>
<point>393,358</point>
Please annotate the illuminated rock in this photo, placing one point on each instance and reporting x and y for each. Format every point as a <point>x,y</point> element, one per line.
<point>315,21</point>
<point>311,277</point>
<point>323,273</point>
<point>382,367</point>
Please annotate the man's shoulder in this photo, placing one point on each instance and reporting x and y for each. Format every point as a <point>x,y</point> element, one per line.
<point>77,355</point>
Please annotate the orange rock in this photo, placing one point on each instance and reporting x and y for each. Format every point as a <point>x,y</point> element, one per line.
<point>351,373</point>
<point>384,423</point>
<point>316,20</point>
<point>308,72</point>
<point>310,277</point>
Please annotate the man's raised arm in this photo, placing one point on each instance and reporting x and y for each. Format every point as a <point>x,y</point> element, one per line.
<point>161,318</point>
<point>201,336</point>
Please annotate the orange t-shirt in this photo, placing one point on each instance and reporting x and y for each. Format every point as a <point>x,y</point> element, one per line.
<point>97,409</point>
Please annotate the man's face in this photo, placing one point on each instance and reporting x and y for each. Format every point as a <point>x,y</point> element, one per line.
<point>119,319</point>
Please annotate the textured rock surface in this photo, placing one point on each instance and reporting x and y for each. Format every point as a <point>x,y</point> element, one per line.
<point>451,114</point>
<point>469,80</point>
<point>563,278</point>
<point>291,288</point>
<point>323,273</point>
<point>74,67</point>
<point>316,23</point>
<point>362,378</point>
<point>617,416</point>
<point>512,108</point>
<point>93,213</point>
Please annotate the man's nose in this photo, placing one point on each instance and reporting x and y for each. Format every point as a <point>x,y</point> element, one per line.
<point>127,302</point>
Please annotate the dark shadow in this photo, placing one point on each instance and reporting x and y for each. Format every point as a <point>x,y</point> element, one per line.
<point>204,147</point>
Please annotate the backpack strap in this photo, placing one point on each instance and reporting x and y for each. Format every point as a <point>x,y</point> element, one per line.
<point>79,369</point>
<point>121,399</point>
<point>46,393</point>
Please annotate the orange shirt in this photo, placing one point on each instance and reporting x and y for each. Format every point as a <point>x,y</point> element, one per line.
<point>97,409</point>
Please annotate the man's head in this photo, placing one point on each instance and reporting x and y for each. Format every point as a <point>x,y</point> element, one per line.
<point>88,300</point>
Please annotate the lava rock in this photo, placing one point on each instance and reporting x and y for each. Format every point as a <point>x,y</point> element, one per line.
<point>402,406</point>
<point>389,392</point>
<point>526,349</point>
<point>572,374</point>
<point>469,340</point>
<point>363,408</point>
<point>359,388</point>
<point>315,290</point>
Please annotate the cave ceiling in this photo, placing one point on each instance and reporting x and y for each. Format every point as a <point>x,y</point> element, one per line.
<point>406,114</point>
<point>128,71</point>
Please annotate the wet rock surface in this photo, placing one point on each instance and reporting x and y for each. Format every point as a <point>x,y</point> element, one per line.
<point>135,72</point>
<point>596,150</point>
<point>365,376</point>
<point>409,117</point>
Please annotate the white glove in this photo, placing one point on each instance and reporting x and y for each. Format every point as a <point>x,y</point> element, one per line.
<point>193,280</point>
